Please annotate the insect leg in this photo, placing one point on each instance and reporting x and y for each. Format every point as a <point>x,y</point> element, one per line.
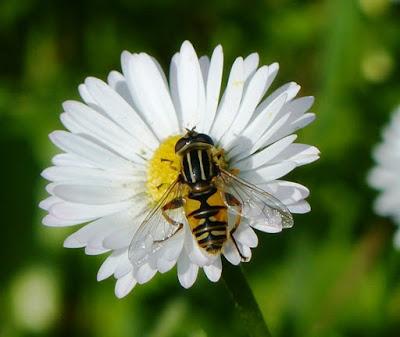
<point>232,201</point>
<point>173,204</point>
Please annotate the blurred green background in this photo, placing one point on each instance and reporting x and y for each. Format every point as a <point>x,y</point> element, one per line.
<point>334,274</point>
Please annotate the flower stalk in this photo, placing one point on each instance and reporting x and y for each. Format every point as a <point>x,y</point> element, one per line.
<point>245,302</point>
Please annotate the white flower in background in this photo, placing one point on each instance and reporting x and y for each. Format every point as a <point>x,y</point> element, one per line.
<point>385,176</point>
<point>107,175</point>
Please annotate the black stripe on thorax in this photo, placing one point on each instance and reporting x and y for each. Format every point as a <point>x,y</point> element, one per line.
<point>197,166</point>
<point>206,164</point>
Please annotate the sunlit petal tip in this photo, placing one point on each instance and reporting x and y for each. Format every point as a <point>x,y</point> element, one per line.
<point>124,285</point>
<point>187,271</point>
<point>300,207</point>
<point>218,49</point>
<point>144,274</point>
<point>73,242</point>
<point>106,269</point>
<point>187,46</point>
<point>214,271</point>
<point>274,66</point>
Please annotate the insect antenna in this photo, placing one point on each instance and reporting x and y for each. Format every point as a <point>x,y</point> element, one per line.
<point>191,131</point>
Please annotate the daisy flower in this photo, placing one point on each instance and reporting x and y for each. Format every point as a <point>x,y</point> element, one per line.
<point>118,155</point>
<point>385,176</point>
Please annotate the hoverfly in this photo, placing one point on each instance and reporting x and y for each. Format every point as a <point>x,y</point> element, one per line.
<point>212,200</point>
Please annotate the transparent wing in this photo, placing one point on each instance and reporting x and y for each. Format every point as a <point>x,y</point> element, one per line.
<point>262,209</point>
<point>155,228</point>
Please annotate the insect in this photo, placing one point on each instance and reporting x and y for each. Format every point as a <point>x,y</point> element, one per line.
<point>210,199</point>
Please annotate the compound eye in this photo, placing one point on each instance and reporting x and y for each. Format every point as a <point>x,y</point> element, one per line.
<point>180,144</point>
<point>202,137</point>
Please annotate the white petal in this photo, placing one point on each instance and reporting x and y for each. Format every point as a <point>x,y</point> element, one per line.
<point>260,129</point>
<point>268,173</point>
<point>125,228</point>
<point>173,83</point>
<point>264,156</point>
<point>270,114</point>
<point>164,266</point>
<point>204,62</point>
<point>267,227</point>
<point>290,126</point>
<point>190,86</point>
<point>145,273</point>
<point>121,112</point>
<point>81,119</point>
<point>95,251</point>
<point>290,90</point>
<point>230,101</point>
<point>92,176</point>
<point>246,236</point>
<point>298,106</point>
<point>151,94</point>
<point>254,92</point>
<point>48,202</point>
<point>117,81</point>
<point>187,271</point>
<point>124,267</point>
<point>387,201</point>
<point>124,285</point>
<point>109,265</point>
<point>173,247</point>
<point>250,64</point>
<point>122,238</point>
<point>93,234</point>
<point>96,154</point>
<point>52,221</point>
<point>169,253</point>
<point>78,212</point>
<point>387,156</point>
<point>300,207</point>
<point>245,250</point>
<point>285,191</point>
<point>71,160</point>
<point>300,154</point>
<point>88,98</point>
<point>231,253</point>
<point>381,177</point>
<point>213,88</point>
<point>213,271</point>
<point>94,195</point>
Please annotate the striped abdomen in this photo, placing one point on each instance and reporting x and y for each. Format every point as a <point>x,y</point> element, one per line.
<point>207,216</point>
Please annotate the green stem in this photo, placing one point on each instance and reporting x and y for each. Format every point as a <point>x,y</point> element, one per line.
<point>245,302</point>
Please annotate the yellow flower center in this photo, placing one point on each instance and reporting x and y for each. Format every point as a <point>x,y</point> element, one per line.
<point>163,169</point>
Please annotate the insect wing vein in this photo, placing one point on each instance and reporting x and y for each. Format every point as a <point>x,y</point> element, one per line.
<point>258,206</point>
<point>155,229</point>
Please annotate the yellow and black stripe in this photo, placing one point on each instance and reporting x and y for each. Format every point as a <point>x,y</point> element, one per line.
<point>207,217</point>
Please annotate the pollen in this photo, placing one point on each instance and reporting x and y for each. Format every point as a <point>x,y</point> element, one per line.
<point>163,169</point>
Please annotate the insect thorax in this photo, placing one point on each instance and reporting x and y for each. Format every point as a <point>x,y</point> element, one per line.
<point>197,165</point>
